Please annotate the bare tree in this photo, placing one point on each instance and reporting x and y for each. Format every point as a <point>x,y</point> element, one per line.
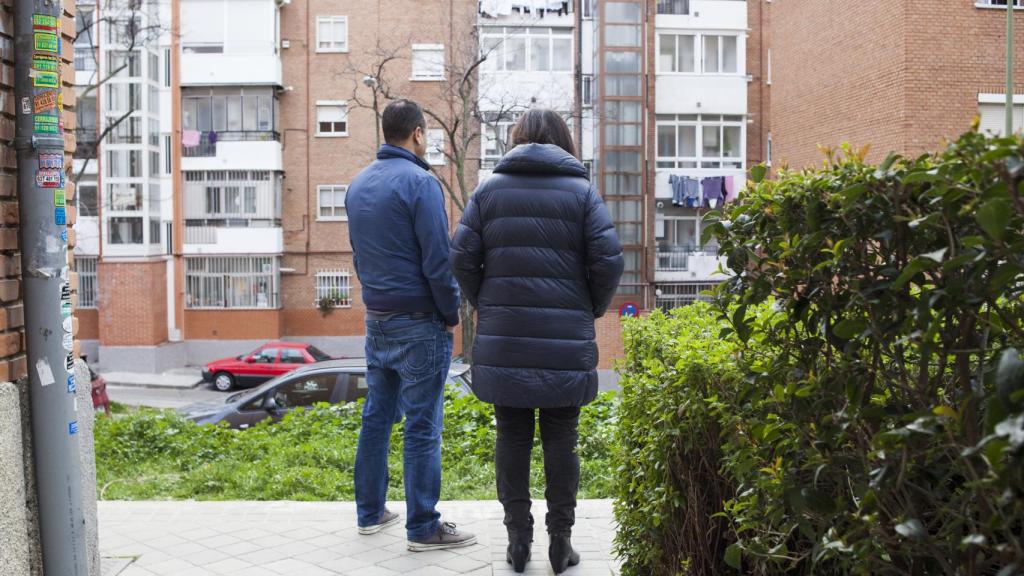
<point>123,24</point>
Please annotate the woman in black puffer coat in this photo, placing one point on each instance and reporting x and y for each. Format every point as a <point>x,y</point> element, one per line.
<point>537,255</point>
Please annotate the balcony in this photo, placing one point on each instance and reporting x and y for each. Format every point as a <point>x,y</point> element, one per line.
<point>680,7</point>
<point>86,143</point>
<point>687,263</point>
<point>207,146</point>
<point>232,198</point>
<point>702,14</point>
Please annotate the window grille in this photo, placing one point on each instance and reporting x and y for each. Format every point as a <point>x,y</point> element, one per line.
<point>333,289</point>
<point>86,268</point>
<point>232,282</point>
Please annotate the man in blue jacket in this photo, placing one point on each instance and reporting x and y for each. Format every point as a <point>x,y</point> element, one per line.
<point>399,233</point>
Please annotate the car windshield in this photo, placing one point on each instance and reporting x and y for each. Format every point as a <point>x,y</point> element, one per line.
<point>317,354</point>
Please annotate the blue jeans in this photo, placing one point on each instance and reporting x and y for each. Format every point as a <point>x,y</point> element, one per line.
<point>407,359</point>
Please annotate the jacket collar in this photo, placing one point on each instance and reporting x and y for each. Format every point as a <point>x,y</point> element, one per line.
<point>387,152</point>
<point>540,159</point>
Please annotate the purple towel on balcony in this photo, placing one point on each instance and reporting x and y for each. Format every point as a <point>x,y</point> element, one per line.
<point>211,137</point>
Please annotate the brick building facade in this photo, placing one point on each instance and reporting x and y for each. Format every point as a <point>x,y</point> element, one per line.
<point>900,76</point>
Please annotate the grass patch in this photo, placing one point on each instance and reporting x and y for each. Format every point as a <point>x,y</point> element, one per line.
<point>155,454</point>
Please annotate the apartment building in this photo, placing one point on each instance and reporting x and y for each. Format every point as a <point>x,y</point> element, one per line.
<point>888,74</point>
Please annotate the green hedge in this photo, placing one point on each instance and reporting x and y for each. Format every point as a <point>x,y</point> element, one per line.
<point>875,426</point>
<point>154,454</point>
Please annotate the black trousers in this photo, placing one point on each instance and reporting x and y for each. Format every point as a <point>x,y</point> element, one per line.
<point>558,433</point>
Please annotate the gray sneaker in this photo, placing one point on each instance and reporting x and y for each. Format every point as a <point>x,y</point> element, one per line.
<point>447,536</point>
<point>386,519</point>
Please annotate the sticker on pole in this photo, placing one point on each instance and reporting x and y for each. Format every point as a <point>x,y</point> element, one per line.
<point>60,216</point>
<point>65,309</point>
<point>70,363</point>
<point>46,124</point>
<point>44,79</point>
<point>68,341</point>
<point>65,292</point>
<point>46,42</point>
<point>44,372</point>
<point>72,427</point>
<point>68,324</point>
<point>50,178</point>
<point>59,201</point>
<point>44,22</point>
<point>64,235</point>
<point>51,160</point>
<point>71,384</point>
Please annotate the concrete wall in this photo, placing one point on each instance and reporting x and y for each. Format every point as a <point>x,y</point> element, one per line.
<point>14,553</point>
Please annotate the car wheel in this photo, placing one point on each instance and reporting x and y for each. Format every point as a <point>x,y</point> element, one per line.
<point>223,381</point>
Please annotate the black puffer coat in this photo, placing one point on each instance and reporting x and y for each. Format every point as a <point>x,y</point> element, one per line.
<point>536,253</point>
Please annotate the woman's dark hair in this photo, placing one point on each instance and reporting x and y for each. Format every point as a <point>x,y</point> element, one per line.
<point>540,126</point>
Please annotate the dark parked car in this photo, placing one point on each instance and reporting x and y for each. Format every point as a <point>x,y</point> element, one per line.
<point>333,382</point>
<point>268,361</point>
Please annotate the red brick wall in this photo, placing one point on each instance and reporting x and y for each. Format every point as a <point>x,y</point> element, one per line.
<point>839,74</point>
<point>312,245</point>
<point>132,303</point>
<point>233,324</point>
<point>757,90</point>
<point>88,323</point>
<point>609,339</point>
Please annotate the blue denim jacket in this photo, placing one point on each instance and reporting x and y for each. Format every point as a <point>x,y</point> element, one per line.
<point>398,228</point>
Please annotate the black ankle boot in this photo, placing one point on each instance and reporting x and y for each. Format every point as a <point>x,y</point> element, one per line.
<point>561,554</point>
<point>518,550</point>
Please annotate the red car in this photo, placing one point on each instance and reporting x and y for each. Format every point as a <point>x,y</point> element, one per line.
<point>268,361</point>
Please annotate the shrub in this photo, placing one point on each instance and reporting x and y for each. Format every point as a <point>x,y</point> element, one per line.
<point>875,440</point>
<point>310,454</point>
<point>669,490</point>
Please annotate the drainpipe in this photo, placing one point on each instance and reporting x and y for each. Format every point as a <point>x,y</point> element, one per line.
<point>39,141</point>
<point>1009,66</point>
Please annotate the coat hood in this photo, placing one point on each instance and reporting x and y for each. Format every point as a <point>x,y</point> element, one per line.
<point>540,159</point>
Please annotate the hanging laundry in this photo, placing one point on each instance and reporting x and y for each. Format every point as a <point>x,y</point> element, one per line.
<point>496,8</point>
<point>190,138</point>
<point>730,188</point>
<point>691,187</point>
<point>211,137</point>
<point>714,191</point>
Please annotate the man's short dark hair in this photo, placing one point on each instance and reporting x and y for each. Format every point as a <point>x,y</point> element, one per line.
<point>400,120</point>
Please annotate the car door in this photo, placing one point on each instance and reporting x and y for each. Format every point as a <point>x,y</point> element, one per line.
<point>291,358</point>
<point>303,391</point>
<point>249,413</point>
<point>264,364</point>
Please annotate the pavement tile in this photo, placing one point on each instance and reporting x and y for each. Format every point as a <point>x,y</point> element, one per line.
<point>319,539</point>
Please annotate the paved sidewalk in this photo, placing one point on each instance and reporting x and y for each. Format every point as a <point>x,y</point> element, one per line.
<point>177,379</point>
<point>320,539</point>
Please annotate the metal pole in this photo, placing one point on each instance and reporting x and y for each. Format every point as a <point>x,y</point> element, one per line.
<point>39,141</point>
<point>1009,66</point>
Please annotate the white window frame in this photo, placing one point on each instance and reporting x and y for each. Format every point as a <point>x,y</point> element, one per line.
<point>768,152</point>
<point>698,53</point>
<point>700,161</point>
<point>327,281</point>
<point>495,62</point>
<point>426,76</point>
<point>435,147</point>
<point>334,46</point>
<point>1017,4</point>
<point>333,189</point>
<point>328,104</point>
<point>587,90</point>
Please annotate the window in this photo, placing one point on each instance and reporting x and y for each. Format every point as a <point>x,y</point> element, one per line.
<point>332,289</point>
<point>631,278</point>
<point>1016,3</point>
<point>234,114</point>
<point>86,268</point>
<point>331,118</point>
<point>124,64</point>
<point>588,90</point>
<point>331,202</point>
<point>527,50</point>
<point>769,66</point>
<point>676,53</point>
<point>623,12</point>
<point>627,217</point>
<point>167,67</point>
<point>306,391</point>
<point>622,35</point>
<point>671,296</point>
<point>86,194</point>
<point>332,34</point>
<point>292,356</point>
<point>588,9</point>
<point>768,159</point>
<point>232,282</point>
<point>435,147</point>
<point>154,231</point>
<point>121,230</point>
<point>678,7</point>
<point>124,197</point>
<point>232,197</point>
<point>265,356</point>
<point>167,154</point>
<point>720,55</point>
<point>428,61</point>
<point>495,136</point>
<point>700,141</point>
